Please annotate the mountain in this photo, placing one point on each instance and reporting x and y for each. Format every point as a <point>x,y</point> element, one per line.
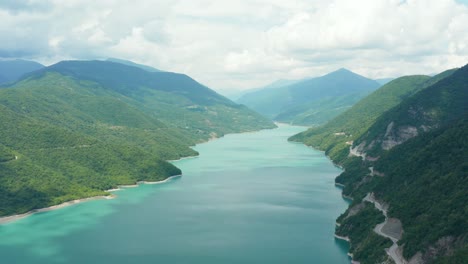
<point>234,94</point>
<point>311,101</point>
<point>174,98</point>
<point>3,79</point>
<point>77,128</point>
<point>384,81</point>
<point>409,162</point>
<point>131,63</point>
<point>278,84</point>
<point>335,136</point>
<point>12,70</point>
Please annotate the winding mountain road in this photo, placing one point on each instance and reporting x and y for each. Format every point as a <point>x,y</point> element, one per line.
<point>393,251</point>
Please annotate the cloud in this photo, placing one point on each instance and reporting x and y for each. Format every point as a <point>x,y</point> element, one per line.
<point>245,43</point>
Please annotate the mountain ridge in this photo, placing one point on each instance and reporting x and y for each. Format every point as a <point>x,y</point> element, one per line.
<point>420,179</point>
<point>12,70</point>
<point>311,101</point>
<point>76,129</point>
<point>131,63</point>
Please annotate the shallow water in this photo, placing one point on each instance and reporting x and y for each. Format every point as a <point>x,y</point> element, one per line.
<point>248,198</point>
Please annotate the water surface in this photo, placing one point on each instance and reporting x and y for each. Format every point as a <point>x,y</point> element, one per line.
<point>248,198</point>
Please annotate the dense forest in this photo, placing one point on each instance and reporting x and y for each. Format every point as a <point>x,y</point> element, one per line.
<point>412,156</point>
<point>78,128</point>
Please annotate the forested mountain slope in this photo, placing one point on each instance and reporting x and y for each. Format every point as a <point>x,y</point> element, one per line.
<point>311,101</point>
<point>412,161</point>
<point>75,129</point>
<point>174,98</point>
<point>335,136</point>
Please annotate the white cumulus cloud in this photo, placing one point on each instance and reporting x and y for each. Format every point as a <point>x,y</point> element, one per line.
<point>245,43</point>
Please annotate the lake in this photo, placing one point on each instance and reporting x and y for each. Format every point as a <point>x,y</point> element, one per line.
<point>248,198</point>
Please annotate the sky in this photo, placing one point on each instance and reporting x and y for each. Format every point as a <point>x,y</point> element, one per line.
<point>242,44</point>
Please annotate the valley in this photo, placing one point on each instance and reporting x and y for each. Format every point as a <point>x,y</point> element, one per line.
<point>77,135</point>
<point>245,205</point>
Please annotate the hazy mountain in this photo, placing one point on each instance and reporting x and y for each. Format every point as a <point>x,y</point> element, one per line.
<point>311,101</point>
<point>384,81</point>
<point>3,79</point>
<point>234,94</point>
<point>12,70</point>
<point>131,63</point>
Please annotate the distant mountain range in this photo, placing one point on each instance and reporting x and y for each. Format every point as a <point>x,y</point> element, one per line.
<point>384,81</point>
<point>131,63</point>
<point>404,148</point>
<point>77,128</point>
<point>236,94</point>
<point>310,101</point>
<point>12,70</point>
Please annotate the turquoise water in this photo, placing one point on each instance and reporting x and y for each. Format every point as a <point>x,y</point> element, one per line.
<point>248,198</point>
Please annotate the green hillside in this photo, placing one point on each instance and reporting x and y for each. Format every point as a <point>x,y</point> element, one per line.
<point>427,190</point>
<point>75,129</point>
<point>441,103</point>
<point>421,176</point>
<point>311,101</point>
<point>335,136</point>
<point>173,98</point>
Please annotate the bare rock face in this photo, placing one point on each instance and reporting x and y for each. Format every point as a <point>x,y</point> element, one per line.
<point>358,150</point>
<point>397,135</point>
<point>417,259</point>
<point>394,135</point>
<point>355,209</point>
<point>393,228</point>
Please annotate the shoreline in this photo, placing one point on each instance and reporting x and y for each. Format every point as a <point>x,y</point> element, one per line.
<point>12,218</point>
<point>341,187</point>
<point>343,238</point>
<point>15,217</point>
<point>123,187</point>
<point>184,158</point>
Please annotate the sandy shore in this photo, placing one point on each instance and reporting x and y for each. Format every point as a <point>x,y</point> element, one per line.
<point>159,182</point>
<point>121,187</point>
<point>8,219</point>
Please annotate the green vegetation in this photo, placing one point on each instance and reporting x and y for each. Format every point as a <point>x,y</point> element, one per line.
<point>439,104</point>
<point>311,101</point>
<point>332,137</point>
<point>6,154</point>
<point>459,257</point>
<point>359,227</point>
<point>79,128</point>
<point>421,175</point>
<point>427,190</point>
